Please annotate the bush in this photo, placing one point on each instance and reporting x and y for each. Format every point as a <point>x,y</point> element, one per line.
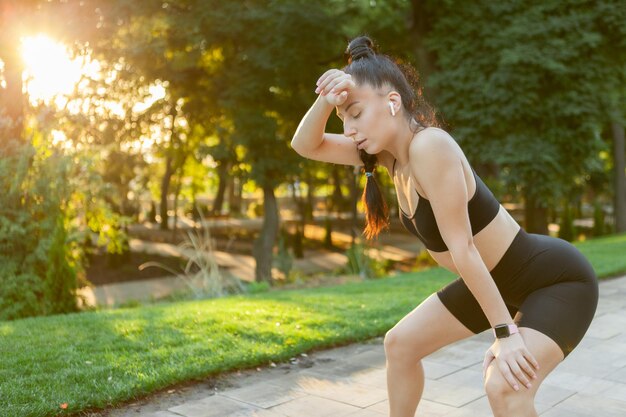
<point>201,272</point>
<point>361,264</point>
<point>48,208</point>
<point>36,273</point>
<point>257,287</point>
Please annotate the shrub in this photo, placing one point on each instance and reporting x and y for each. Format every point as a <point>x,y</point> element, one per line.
<point>361,264</point>
<point>36,274</point>
<point>201,272</point>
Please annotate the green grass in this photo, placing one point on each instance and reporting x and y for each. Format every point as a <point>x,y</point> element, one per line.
<point>606,254</point>
<point>97,359</point>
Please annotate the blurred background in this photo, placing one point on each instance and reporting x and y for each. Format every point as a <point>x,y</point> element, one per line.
<point>137,135</point>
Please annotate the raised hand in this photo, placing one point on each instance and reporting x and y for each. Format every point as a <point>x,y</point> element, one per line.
<point>335,85</point>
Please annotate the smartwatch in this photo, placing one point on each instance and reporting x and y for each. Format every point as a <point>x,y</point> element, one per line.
<point>504,330</point>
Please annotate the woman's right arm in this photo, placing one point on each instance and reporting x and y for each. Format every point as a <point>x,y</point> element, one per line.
<point>312,142</point>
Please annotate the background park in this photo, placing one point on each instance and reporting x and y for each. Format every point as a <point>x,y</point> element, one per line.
<point>145,140</point>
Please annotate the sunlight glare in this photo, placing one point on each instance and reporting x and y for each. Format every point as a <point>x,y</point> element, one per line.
<point>49,70</point>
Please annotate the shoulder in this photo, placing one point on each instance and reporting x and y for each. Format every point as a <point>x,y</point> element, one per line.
<point>432,142</point>
<point>432,147</point>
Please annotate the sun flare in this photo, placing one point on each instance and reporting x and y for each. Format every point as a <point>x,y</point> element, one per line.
<point>49,69</point>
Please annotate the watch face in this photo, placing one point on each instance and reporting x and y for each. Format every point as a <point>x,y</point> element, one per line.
<point>502,331</point>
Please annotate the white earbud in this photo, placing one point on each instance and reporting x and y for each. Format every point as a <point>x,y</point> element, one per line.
<point>393,112</point>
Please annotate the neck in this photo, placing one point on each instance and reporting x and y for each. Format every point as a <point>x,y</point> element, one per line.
<point>400,145</point>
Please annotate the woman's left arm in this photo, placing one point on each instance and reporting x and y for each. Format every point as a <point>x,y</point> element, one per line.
<point>435,164</point>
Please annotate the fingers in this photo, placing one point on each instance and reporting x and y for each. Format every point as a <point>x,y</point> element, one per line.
<point>325,79</point>
<point>331,79</point>
<point>324,75</point>
<point>527,366</point>
<point>513,371</point>
<point>488,358</point>
<point>329,84</point>
<point>529,356</point>
<point>340,84</point>
<point>517,371</point>
<point>506,373</point>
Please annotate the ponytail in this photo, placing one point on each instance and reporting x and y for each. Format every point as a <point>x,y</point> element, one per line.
<point>376,210</point>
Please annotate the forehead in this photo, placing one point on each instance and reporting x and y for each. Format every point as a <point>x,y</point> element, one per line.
<point>361,94</point>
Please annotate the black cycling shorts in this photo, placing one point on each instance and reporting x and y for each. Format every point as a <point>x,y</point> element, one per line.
<point>547,285</point>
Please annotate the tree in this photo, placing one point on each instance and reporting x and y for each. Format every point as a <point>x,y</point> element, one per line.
<point>520,89</point>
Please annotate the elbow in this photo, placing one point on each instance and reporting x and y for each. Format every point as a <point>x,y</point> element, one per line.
<point>295,145</point>
<point>462,251</point>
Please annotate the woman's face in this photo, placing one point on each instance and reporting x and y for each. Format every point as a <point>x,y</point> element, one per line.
<point>366,115</point>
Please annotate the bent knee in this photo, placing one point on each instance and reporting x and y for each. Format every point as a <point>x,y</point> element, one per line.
<point>399,345</point>
<point>498,388</point>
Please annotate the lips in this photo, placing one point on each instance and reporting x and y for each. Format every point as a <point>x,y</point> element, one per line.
<point>358,144</point>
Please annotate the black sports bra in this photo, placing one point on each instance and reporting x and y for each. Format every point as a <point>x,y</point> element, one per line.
<point>482,208</point>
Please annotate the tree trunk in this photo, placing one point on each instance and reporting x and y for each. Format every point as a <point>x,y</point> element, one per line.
<point>336,201</point>
<point>310,198</point>
<point>222,175</point>
<point>535,217</point>
<point>165,187</point>
<point>298,250</point>
<point>238,196</point>
<point>179,173</point>
<point>264,244</point>
<point>354,191</point>
<point>419,29</point>
<point>234,195</point>
<point>619,205</point>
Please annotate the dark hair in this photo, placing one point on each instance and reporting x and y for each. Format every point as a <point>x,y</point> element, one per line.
<point>369,67</point>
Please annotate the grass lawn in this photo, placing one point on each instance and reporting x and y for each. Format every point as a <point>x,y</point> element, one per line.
<point>97,359</point>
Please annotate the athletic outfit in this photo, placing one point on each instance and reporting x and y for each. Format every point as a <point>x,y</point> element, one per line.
<point>545,282</point>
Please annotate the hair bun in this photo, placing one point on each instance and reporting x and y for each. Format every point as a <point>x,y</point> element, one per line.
<point>360,47</point>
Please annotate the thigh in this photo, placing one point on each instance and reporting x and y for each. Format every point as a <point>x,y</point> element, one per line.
<point>559,292</point>
<point>461,303</point>
<point>562,311</point>
<point>426,329</point>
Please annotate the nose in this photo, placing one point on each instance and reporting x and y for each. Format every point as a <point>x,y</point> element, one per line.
<point>349,130</point>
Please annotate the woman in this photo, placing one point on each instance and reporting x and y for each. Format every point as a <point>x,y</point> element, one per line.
<point>537,293</point>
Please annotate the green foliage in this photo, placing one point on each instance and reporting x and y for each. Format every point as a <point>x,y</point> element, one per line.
<point>201,273</point>
<point>257,287</point>
<point>360,263</point>
<point>52,204</point>
<point>525,87</point>
<point>60,278</point>
<point>36,274</point>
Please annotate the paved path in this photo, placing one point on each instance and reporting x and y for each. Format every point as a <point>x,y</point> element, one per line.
<point>350,381</point>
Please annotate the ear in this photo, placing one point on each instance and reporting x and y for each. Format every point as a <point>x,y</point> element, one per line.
<point>395,99</point>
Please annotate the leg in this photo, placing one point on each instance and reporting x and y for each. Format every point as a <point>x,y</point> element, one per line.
<point>504,400</point>
<point>411,339</point>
